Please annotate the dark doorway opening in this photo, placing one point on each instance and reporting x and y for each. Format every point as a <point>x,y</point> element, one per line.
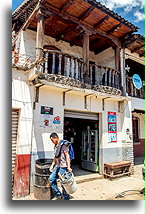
<point>73,129</point>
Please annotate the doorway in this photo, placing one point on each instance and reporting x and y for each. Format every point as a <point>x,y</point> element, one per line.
<point>75,130</point>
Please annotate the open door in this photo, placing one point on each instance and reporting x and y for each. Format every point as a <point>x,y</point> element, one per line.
<point>89,158</point>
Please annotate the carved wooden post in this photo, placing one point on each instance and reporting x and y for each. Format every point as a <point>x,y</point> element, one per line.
<point>65,65</point>
<point>76,69</point>
<point>68,66</point>
<point>86,56</point>
<point>117,58</point>
<point>96,79</point>
<point>46,62</point>
<point>123,71</point>
<point>117,61</point>
<point>106,75</point>
<point>60,63</point>
<point>113,78</point>
<point>53,63</point>
<point>91,74</point>
<point>110,76</point>
<point>71,67</point>
<point>40,34</point>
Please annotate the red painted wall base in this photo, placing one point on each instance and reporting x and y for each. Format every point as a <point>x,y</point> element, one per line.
<point>21,175</point>
<point>139,148</point>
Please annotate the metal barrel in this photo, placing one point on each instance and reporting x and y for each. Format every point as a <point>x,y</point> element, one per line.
<point>42,188</point>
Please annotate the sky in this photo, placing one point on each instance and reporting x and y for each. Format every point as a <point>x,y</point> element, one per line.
<point>131,10</point>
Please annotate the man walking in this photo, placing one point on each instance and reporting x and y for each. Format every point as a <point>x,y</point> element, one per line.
<point>58,167</point>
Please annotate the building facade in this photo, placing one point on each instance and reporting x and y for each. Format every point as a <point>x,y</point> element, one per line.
<point>69,77</point>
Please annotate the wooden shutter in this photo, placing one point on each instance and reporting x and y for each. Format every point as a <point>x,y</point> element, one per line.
<point>15,117</point>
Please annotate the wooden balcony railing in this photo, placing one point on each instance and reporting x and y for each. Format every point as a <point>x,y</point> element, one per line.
<point>60,63</point>
<point>102,75</point>
<point>132,91</point>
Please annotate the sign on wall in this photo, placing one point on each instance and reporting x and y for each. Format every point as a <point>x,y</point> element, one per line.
<point>112,127</point>
<point>46,110</point>
<point>46,116</point>
<point>137,81</point>
<point>47,119</point>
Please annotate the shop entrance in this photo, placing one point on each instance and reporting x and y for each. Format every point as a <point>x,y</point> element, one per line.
<point>83,133</point>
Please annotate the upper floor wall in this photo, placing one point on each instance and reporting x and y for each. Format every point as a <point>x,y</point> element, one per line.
<point>26,46</point>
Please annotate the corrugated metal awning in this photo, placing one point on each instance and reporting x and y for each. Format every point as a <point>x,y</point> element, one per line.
<point>81,115</point>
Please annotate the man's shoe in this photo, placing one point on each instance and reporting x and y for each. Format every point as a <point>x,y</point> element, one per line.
<point>58,198</point>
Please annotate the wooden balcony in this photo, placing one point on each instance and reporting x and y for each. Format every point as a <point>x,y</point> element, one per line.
<point>59,63</point>
<point>132,91</point>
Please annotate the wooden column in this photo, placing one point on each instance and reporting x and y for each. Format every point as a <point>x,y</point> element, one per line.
<point>117,64</point>
<point>40,35</point>
<point>123,71</point>
<point>117,58</point>
<point>86,56</point>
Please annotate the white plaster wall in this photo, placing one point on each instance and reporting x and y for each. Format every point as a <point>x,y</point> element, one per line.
<point>106,58</point>
<point>126,120</point>
<point>137,103</point>
<point>41,135</point>
<point>22,98</point>
<point>74,101</point>
<point>28,45</point>
<point>111,106</point>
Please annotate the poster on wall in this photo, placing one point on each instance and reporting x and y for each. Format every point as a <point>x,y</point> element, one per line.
<point>46,116</point>
<point>46,110</point>
<point>112,127</point>
<point>46,120</point>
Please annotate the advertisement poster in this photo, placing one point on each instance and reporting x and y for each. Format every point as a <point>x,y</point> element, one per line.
<point>46,116</point>
<point>112,127</point>
<point>46,110</point>
<point>46,120</point>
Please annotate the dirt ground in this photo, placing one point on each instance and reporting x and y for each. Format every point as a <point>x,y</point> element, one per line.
<point>104,189</point>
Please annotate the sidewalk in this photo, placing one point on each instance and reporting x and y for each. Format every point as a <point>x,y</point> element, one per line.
<point>95,187</point>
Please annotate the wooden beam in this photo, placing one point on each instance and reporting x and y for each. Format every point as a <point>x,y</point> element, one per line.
<point>69,28</point>
<point>25,9</point>
<point>98,50</point>
<point>76,39</point>
<point>55,11</point>
<point>130,41</point>
<point>31,17</point>
<point>66,5</point>
<point>94,41</point>
<point>85,14</point>
<point>53,18</point>
<point>137,49</point>
<point>101,22</point>
<point>113,29</point>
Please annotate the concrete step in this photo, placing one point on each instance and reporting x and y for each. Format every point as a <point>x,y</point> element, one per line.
<point>87,178</point>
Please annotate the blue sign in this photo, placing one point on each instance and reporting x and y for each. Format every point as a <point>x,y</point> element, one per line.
<point>137,81</point>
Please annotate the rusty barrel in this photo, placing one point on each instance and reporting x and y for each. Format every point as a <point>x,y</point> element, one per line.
<point>42,188</point>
